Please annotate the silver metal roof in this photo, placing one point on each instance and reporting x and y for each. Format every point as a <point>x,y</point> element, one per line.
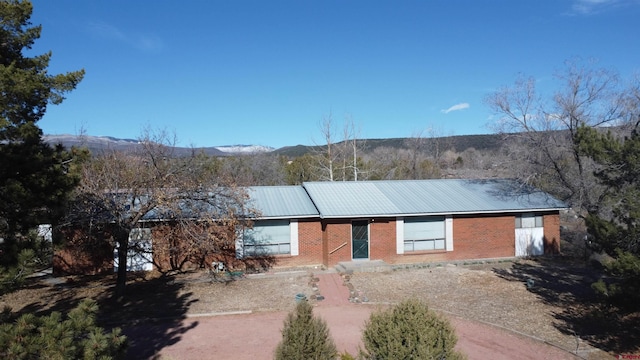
<point>422,197</point>
<point>281,202</point>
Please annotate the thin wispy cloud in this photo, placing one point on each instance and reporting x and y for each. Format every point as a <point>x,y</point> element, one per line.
<point>588,7</point>
<point>456,107</point>
<point>140,41</point>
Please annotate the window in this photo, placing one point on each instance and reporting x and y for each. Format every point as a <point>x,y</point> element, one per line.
<point>268,237</point>
<point>424,233</point>
<point>526,221</point>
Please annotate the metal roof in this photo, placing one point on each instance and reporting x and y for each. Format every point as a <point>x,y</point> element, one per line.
<point>281,202</point>
<point>355,199</point>
<point>423,197</point>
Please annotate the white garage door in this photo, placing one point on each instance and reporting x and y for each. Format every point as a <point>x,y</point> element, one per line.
<point>529,235</point>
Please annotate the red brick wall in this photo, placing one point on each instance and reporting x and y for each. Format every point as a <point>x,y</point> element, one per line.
<point>322,242</point>
<point>78,252</point>
<point>490,236</point>
<point>336,233</point>
<point>552,233</point>
<point>474,237</point>
<point>382,239</point>
<point>483,237</point>
<point>310,246</point>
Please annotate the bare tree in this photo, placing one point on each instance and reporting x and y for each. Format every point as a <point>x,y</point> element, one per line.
<point>415,145</point>
<point>423,152</point>
<point>350,148</point>
<point>151,184</point>
<point>328,150</point>
<point>254,169</point>
<point>542,132</point>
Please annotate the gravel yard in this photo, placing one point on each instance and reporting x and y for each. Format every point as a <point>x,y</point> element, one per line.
<point>495,293</point>
<point>477,294</point>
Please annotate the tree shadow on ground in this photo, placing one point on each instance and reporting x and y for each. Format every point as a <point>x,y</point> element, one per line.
<point>566,283</point>
<point>151,315</point>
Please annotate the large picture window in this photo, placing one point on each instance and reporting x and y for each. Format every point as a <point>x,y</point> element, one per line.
<point>424,233</point>
<point>268,237</point>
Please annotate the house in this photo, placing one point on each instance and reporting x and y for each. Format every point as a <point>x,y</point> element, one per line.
<point>400,222</point>
<point>404,221</point>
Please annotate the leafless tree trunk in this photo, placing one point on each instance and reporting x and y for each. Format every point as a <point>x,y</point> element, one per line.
<point>415,145</point>
<point>351,146</point>
<point>329,155</point>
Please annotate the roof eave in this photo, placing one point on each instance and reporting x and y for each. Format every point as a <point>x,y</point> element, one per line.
<point>473,212</point>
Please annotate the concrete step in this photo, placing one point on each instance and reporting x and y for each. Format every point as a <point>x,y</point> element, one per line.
<point>349,267</point>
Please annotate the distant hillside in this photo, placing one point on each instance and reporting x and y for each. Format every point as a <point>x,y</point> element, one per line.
<point>458,143</point>
<point>489,142</point>
<point>97,144</point>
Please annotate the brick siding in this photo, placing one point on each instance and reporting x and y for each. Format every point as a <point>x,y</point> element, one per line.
<point>474,237</point>
<point>328,242</point>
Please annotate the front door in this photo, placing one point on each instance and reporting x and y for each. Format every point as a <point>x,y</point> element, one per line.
<point>360,239</point>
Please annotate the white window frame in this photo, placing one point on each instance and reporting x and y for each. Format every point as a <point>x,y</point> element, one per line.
<point>446,242</point>
<point>529,221</point>
<point>289,247</point>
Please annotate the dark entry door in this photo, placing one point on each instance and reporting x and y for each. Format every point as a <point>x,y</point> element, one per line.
<point>360,239</point>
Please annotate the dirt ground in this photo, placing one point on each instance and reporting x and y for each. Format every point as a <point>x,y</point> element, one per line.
<point>536,302</point>
<point>255,335</point>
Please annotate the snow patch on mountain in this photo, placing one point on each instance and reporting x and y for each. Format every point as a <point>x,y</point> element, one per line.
<point>103,142</point>
<point>244,149</point>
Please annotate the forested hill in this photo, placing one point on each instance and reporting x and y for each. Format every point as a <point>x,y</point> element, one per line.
<point>486,142</point>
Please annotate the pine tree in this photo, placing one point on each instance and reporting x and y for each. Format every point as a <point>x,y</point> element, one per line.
<point>616,230</point>
<point>35,178</point>
<point>408,330</point>
<point>53,337</point>
<point>305,337</point>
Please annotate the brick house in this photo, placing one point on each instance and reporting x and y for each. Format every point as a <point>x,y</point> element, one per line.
<point>399,222</point>
<point>410,221</point>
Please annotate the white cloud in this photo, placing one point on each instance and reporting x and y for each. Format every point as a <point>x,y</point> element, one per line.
<point>456,107</point>
<point>139,41</point>
<point>587,7</point>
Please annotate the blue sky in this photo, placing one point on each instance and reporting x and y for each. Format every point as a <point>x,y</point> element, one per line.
<point>267,72</point>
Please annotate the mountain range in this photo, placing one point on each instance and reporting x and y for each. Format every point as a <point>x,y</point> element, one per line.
<point>101,143</point>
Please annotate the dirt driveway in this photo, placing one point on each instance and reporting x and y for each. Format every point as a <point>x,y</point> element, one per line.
<point>256,335</point>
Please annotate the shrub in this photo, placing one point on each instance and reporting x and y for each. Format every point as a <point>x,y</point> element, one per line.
<point>409,330</point>
<point>305,336</point>
<point>623,287</point>
<point>52,337</point>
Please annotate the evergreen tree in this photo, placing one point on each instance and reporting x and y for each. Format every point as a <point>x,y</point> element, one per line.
<point>305,337</point>
<point>52,337</point>
<point>409,330</point>
<point>617,231</point>
<point>35,178</point>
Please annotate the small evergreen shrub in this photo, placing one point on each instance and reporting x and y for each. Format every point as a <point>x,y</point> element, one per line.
<point>623,287</point>
<point>408,330</point>
<point>305,336</point>
<point>52,337</point>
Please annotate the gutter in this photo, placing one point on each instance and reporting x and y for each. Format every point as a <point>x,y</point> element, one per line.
<point>474,212</point>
